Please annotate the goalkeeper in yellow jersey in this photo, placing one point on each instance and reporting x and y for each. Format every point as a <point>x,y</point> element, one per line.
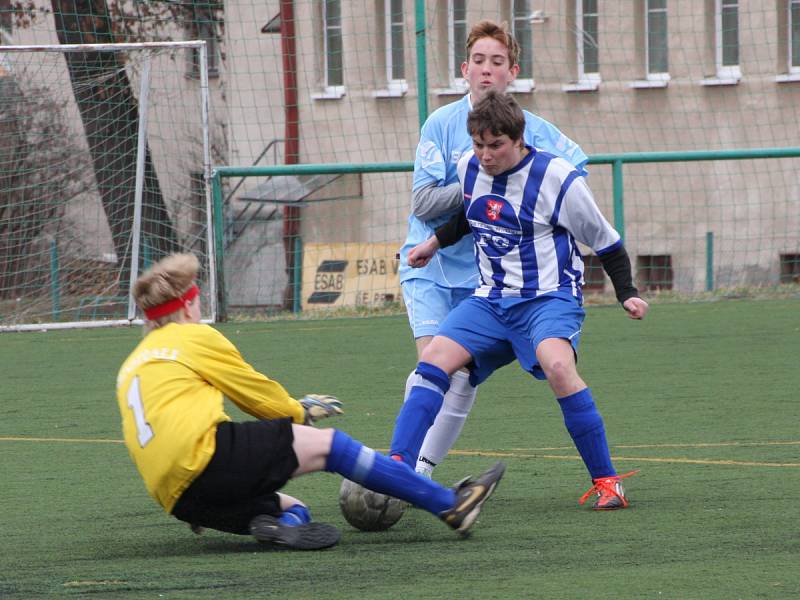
<point>209,471</point>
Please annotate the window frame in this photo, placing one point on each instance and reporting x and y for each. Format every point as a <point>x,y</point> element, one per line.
<point>580,41</point>
<point>648,11</point>
<point>732,71</point>
<point>524,82</point>
<point>587,81</point>
<point>791,68</point>
<point>456,82</point>
<point>337,89</point>
<point>396,86</point>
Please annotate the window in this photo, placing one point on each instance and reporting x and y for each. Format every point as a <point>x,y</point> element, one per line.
<point>332,52</point>
<point>789,41</point>
<point>794,36</point>
<point>652,44</point>
<point>202,27</point>
<point>726,18</point>
<point>656,28</point>
<point>726,43</point>
<point>521,29</point>
<point>790,268</point>
<point>587,47</point>
<point>6,21</point>
<point>394,50</point>
<point>457,40</point>
<point>654,272</point>
<point>332,19</point>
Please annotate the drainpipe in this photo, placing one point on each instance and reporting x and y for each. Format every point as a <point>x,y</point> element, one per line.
<point>291,214</point>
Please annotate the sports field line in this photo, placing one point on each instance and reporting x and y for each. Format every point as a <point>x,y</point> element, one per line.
<point>532,453</point>
<point>67,440</point>
<point>616,457</point>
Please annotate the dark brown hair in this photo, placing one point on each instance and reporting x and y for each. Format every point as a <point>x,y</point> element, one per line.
<point>497,113</point>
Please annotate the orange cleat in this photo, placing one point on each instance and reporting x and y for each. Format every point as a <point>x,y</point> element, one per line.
<point>609,491</point>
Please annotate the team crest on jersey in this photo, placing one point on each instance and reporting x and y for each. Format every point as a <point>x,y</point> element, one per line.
<point>493,209</point>
<point>495,226</point>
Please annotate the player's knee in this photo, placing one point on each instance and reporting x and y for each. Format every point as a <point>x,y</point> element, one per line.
<point>312,447</point>
<point>560,373</point>
<point>445,354</point>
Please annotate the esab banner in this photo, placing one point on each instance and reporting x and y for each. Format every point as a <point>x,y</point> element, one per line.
<point>350,274</point>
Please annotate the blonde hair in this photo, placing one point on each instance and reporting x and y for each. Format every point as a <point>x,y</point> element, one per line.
<point>168,279</point>
<point>496,31</point>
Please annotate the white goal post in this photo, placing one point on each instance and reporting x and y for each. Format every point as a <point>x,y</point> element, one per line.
<point>105,166</point>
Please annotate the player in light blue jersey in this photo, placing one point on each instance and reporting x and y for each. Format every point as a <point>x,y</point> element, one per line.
<point>431,292</point>
<point>527,210</point>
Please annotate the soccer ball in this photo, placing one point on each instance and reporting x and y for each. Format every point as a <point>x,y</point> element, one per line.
<point>367,510</point>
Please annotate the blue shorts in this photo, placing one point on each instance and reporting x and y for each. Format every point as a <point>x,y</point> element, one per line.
<point>495,332</point>
<point>428,303</point>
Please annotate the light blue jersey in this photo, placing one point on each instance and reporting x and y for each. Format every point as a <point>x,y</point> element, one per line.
<point>443,140</point>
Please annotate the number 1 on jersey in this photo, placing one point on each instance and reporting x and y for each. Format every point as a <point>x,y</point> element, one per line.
<point>143,430</point>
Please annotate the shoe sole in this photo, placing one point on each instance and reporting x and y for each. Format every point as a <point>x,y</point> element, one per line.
<point>616,503</point>
<point>464,529</point>
<point>607,507</point>
<point>309,536</point>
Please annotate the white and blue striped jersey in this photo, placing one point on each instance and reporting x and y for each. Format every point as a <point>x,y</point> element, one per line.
<point>525,223</point>
<point>443,140</point>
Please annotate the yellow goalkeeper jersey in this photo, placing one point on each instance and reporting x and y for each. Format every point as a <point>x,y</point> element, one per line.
<point>170,393</point>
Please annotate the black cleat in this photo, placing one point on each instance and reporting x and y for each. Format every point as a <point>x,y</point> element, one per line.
<point>309,536</point>
<point>470,496</point>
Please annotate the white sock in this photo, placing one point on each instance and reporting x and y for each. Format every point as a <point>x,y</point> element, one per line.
<point>449,422</point>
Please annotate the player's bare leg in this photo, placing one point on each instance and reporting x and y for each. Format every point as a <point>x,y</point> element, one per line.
<point>583,421</point>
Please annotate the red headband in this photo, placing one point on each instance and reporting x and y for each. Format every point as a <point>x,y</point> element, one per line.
<point>171,306</point>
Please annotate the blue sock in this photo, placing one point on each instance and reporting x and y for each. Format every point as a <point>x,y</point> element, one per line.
<point>418,412</point>
<point>295,515</point>
<point>379,473</point>
<point>585,425</point>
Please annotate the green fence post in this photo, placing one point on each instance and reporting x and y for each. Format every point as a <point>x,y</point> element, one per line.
<point>55,287</point>
<point>219,245</point>
<point>297,282</point>
<point>619,207</point>
<point>709,261</point>
<point>422,62</point>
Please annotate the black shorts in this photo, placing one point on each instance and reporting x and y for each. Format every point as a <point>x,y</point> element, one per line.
<point>252,461</point>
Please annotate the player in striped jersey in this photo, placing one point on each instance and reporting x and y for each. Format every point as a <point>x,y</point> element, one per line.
<point>429,293</point>
<point>526,210</point>
<point>208,471</point>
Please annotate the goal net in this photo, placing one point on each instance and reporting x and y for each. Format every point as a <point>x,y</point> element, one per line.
<point>338,88</point>
<point>104,161</point>
<point>349,81</point>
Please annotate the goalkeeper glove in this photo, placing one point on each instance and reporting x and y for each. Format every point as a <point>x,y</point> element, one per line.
<point>320,406</point>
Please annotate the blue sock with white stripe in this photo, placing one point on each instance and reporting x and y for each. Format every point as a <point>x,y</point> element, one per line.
<point>585,425</point>
<point>295,515</point>
<point>419,412</point>
<point>379,473</point>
